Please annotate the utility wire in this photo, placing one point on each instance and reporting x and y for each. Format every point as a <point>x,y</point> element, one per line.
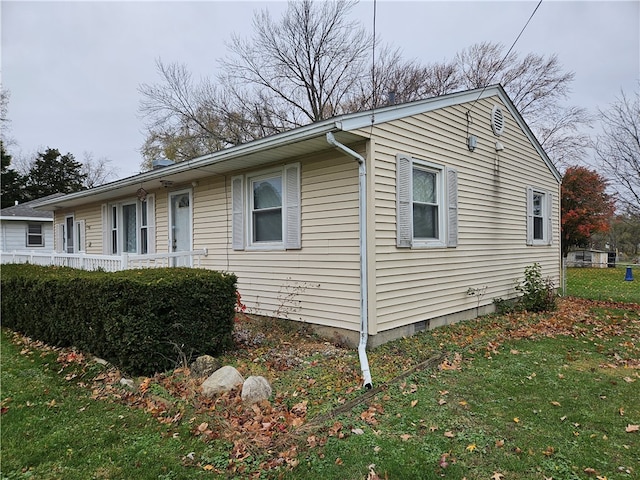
<point>373,66</point>
<point>506,55</point>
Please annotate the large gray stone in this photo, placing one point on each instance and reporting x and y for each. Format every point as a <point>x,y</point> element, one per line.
<point>204,366</point>
<point>255,390</point>
<point>222,380</point>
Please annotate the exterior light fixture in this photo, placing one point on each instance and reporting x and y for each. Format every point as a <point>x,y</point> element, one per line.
<point>141,194</point>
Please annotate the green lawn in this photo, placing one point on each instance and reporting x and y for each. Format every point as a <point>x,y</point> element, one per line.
<point>604,284</point>
<point>521,396</point>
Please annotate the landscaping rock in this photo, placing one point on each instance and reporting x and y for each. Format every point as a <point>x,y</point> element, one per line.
<point>204,366</point>
<point>256,389</point>
<point>127,383</point>
<point>222,380</point>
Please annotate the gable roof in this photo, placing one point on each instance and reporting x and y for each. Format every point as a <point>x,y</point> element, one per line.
<point>299,141</point>
<point>26,212</point>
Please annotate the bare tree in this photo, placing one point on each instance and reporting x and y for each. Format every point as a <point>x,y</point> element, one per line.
<point>4,118</point>
<point>185,119</point>
<point>537,85</point>
<point>396,80</point>
<point>314,63</point>
<point>618,148</point>
<point>96,171</point>
<point>299,69</point>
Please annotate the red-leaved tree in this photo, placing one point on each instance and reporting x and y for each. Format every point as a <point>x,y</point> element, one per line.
<point>586,207</point>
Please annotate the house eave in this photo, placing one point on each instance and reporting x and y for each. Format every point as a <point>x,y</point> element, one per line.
<point>290,144</point>
<point>25,219</point>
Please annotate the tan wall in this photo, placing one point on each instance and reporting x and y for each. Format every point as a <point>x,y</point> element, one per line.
<point>318,283</point>
<point>412,285</point>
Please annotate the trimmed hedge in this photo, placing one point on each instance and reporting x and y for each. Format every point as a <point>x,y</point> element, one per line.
<point>143,321</point>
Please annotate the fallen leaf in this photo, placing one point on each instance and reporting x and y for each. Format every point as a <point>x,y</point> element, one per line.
<point>516,420</point>
<point>442,401</point>
<point>405,437</point>
<point>628,379</point>
<point>449,434</point>
<point>471,448</point>
<point>208,467</point>
<point>549,451</point>
<point>433,428</point>
<point>497,476</point>
<point>463,403</point>
<point>202,427</point>
<point>621,411</point>
<point>555,404</point>
<point>414,403</point>
<point>338,461</point>
<point>357,431</point>
<point>632,428</point>
<point>500,443</point>
<point>590,471</point>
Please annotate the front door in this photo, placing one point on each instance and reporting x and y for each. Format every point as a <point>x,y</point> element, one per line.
<point>180,226</point>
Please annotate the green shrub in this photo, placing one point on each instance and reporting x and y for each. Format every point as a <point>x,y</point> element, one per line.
<point>143,321</point>
<point>537,294</point>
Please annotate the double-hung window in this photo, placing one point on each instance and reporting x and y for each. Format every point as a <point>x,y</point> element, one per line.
<point>128,226</point>
<point>427,204</point>
<point>539,216</point>
<point>35,237</point>
<point>266,209</point>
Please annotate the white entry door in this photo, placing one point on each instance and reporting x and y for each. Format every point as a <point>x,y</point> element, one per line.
<point>180,226</point>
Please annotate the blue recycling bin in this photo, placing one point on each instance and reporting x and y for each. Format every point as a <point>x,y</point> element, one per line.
<point>629,276</point>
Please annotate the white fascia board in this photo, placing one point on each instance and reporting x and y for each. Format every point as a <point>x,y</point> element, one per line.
<point>26,219</point>
<point>274,141</point>
<point>395,112</point>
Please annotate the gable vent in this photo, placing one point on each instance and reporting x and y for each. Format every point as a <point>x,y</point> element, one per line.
<point>497,120</point>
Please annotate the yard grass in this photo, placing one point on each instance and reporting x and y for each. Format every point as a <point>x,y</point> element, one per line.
<point>604,284</point>
<point>523,396</point>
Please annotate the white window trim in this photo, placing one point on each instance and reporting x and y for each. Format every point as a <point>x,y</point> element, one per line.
<point>169,218</point>
<point>250,179</point>
<point>107,225</point>
<point>41,234</point>
<point>447,179</point>
<point>241,199</point>
<point>547,223</point>
<point>80,242</point>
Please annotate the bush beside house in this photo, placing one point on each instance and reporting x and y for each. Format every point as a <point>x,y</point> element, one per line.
<point>142,321</point>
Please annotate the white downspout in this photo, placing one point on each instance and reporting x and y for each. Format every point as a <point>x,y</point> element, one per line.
<point>364,296</point>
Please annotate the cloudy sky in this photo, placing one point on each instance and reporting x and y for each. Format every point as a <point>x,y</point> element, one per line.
<point>73,68</point>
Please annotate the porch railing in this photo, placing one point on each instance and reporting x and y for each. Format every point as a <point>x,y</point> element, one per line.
<point>109,263</point>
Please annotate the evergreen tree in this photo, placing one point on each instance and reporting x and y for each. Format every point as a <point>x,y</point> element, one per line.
<point>12,181</point>
<point>52,172</point>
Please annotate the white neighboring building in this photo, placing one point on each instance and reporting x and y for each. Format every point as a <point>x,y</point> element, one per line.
<point>24,228</point>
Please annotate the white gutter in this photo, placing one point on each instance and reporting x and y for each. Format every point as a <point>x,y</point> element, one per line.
<point>364,318</point>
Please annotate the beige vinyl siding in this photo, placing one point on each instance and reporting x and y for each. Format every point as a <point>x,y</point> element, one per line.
<point>91,214</point>
<point>162,219</point>
<point>417,284</point>
<point>319,283</point>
